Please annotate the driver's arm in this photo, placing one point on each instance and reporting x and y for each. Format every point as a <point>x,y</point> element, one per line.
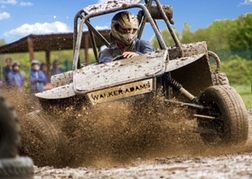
<point>143,46</point>
<point>105,56</point>
<point>129,54</point>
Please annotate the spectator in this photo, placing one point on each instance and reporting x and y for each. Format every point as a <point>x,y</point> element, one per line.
<point>55,68</point>
<point>37,78</point>
<point>43,68</point>
<point>15,77</point>
<point>7,69</point>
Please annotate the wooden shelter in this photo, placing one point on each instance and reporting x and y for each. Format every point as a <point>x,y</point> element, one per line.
<point>50,42</point>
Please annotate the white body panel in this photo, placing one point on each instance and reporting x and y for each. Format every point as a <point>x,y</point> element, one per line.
<point>118,73</point>
<point>61,92</point>
<point>101,76</point>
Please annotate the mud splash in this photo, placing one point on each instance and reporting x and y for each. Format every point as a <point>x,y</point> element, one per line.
<point>114,133</point>
<point>105,134</point>
<point>109,134</point>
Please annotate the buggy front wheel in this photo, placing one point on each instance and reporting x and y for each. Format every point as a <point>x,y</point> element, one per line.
<point>229,124</point>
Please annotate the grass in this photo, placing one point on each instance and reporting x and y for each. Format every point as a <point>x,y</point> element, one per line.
<point>246,93</point>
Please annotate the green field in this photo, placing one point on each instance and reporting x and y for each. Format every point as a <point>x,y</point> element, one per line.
<point>246,93</point>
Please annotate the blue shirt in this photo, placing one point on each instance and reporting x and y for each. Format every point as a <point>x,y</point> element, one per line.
<point>6,71</point>
<point>16,79</point>
<point>140,47</point>
<point>55,71</point>
<point>37,80</point>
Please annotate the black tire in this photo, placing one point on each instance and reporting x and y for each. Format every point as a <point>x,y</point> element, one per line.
<point>231,125</point>
<point>45,127</point>
<point>9,130</point>
<point>46,140</point>
<point>16,168</point>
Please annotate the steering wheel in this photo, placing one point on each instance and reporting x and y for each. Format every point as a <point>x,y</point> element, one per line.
<point>118,57</point>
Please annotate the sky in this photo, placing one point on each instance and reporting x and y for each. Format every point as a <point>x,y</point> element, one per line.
<point>19,18</point>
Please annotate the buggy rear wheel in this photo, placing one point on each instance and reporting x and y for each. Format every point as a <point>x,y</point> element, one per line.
<point>46,140</point>
<point>16,168</point>
<point>9,130</point>
<point>230,125</point>
<point>12,166</point>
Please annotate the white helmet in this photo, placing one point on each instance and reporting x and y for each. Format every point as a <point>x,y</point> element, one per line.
<point>125,20</point>
<point>34,61</point>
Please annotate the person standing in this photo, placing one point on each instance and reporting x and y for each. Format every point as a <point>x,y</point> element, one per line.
<point>37,78</point>
<point>55,68</point>
<point>15,77</point>
<point>43,68</point>
<point>7,69</point>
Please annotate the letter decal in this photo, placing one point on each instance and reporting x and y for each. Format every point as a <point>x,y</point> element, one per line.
<point>122,91</point>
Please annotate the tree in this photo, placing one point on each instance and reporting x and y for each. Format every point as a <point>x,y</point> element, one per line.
<point>167,38</point>
<point>238,70</point>
<point>240,38</point>
<point>187,35</point>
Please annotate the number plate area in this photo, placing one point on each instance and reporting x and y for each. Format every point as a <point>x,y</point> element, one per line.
<point>122,91</point>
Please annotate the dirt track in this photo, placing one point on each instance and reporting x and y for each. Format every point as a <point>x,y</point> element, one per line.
<point>228,166</point>
<point>184,161</point>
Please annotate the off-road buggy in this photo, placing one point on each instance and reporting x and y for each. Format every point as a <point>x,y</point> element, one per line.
<point>181,73</point>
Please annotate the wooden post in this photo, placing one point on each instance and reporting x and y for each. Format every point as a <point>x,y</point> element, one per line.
<point>30,48</point>
<point>48,64</point>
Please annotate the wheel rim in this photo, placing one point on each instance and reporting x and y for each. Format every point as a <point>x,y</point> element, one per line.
<point>216,124</point>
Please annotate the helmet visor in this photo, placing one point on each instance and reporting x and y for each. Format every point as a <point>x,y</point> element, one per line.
<point>126,30</point>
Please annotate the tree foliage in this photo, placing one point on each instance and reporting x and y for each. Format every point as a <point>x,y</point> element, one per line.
<point>226,37</point>
<point>238,70</point>
<point>167,38</point>
<point>240,36</point>
<point>215,34</point>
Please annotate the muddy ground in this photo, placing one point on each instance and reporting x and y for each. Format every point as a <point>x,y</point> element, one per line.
<point>108,141</point>
<point>181,161</point>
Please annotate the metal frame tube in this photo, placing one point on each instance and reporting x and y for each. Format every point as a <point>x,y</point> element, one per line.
<point>78,37</point>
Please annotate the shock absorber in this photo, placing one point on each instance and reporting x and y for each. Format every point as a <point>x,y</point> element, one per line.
<point>177,86</point>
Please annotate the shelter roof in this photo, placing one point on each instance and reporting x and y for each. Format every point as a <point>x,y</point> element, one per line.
<point>48,42</point>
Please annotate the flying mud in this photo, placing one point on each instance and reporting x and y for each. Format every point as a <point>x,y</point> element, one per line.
<point>111,135</point>
<point>109,132</point>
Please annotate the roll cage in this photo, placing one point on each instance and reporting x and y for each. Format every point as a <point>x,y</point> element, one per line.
<point>149,13</point>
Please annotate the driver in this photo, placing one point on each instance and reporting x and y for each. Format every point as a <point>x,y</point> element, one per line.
<point>124,41</point>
